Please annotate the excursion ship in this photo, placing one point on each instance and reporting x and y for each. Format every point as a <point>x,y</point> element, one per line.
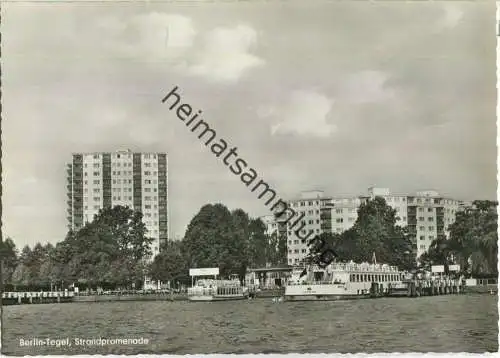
<point>344,281</point>
<point>214,289</point>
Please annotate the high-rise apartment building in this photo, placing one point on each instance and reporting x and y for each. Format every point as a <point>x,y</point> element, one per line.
<point>136,180</point>
<point>426,213</point>
<point>309,207</point>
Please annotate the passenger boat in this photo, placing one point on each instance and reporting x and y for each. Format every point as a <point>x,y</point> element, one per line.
<point>215,289</point>
<point>343,281</point>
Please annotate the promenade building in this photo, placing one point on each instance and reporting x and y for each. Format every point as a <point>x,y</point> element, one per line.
<point>426,213</point>
<point>106,179</point>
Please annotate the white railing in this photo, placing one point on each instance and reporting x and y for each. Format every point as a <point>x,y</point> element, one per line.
<point>37,294</point>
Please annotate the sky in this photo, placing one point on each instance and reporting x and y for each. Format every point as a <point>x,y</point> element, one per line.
<point>325,95</point>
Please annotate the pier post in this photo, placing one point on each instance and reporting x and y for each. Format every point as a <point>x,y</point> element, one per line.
<point>19,300</point>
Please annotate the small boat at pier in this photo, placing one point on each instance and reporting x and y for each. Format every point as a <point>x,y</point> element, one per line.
<point>215,289</point>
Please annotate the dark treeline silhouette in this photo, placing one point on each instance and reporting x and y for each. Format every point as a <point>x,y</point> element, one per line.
<point>112,252</point>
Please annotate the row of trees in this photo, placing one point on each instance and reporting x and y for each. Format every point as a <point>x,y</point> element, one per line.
<point>113,250</point>
<point>110,251</point>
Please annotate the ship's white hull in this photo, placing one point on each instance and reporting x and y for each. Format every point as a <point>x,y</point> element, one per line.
<point>210,298</point>
<point>328,292</point>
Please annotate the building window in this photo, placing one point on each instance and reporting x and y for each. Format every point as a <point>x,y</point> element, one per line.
<point>429,210</point>
<point>422,237</point>
<point>431,228</point>
<point>430,219</point>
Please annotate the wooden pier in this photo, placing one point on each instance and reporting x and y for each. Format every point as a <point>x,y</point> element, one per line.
<point>18,298</point>
<point>426,287</point>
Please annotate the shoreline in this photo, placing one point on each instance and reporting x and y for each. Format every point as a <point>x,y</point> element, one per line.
<point>470,290</point>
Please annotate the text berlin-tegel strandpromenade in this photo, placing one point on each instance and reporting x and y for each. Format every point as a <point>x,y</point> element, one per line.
<point>239,166</point>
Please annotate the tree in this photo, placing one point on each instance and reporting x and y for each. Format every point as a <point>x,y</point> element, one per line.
<point>258,244</point>
<point>110,250</point>
<point>374,232</point>
<point>215,237</point>
<point>170,264</point>
<point>8,259</point>
<point>439,253</point>
<point>276,249</point>
<point>473,238</point>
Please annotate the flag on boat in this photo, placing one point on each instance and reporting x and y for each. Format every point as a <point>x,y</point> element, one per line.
<point>303,273</point>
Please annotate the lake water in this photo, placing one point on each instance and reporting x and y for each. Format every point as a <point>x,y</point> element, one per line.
<point>426,324</point>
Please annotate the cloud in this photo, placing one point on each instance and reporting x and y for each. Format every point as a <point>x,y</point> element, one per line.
<point>155,36</point>
<point>452,15</point>
<point>304,114</point>
<point>226,56</point>
<point>367,87</point>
